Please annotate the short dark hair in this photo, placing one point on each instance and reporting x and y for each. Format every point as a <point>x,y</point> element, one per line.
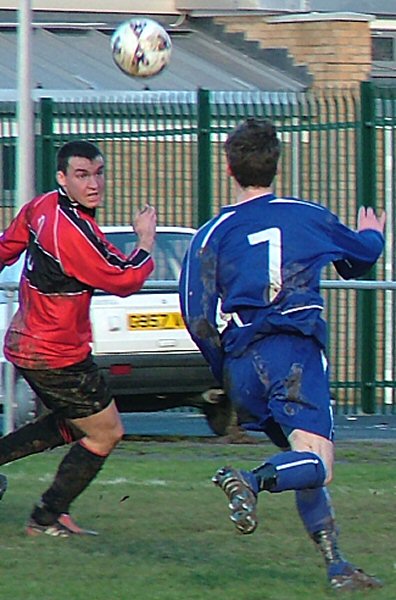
<point>253,151</point>
<point>76,148</point>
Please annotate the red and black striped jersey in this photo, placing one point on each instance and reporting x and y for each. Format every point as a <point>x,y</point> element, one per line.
<point>67,257</point>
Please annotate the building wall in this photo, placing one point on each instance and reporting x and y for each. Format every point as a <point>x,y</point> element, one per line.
<point>336,48</point>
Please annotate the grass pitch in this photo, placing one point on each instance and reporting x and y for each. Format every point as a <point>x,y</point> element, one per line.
<point>165,532</point>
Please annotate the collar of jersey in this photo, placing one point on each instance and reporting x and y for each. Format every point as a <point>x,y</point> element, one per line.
<point>66,201</point>
<point>266,197</point>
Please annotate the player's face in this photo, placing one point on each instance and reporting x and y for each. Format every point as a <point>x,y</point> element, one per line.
<point>84,180</point>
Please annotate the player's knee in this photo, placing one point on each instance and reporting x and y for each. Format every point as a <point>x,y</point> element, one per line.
<point>320,467</point>
<point>303,441</point>
<point>106,440</point>
<point>113,435</point>
<point>118,433</point>
<point>324,469</point>
<point>329,474</point>
<point>328,461</point>
<point>106,437</point>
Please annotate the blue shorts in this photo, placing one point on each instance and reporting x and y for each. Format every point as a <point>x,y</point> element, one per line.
<point>282,378</point>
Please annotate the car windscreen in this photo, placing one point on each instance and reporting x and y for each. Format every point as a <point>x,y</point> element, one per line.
<point>168,253</point>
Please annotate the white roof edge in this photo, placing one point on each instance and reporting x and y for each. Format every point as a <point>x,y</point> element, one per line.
<point>383,24</point>
<point>319,16</point>
<point>240,12</point>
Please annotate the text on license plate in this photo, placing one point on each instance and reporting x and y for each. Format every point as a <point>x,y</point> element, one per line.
<point>156,321</point>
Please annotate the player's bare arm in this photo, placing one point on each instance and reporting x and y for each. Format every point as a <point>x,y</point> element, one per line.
<point>367,219</point>
<point>144,224</point>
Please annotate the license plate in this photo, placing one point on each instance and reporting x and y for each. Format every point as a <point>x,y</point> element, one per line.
<point>156,321</point>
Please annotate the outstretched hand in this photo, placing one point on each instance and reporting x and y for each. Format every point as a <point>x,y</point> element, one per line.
<point>144,224</point>
<point>367,219</point>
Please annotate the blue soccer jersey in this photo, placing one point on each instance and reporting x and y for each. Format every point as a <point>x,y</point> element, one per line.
<point>254,270</point>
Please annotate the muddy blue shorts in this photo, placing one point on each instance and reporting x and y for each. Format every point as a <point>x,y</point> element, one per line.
<point>282,379</point>
<point>72,392</point>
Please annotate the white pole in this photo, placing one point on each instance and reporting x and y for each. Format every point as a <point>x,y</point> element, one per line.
<point>389,241</point>
<point>25,142</point>
<point>9,376</point>
<point>25,164</point>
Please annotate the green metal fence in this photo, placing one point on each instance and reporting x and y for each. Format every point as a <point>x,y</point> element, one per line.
<point>166,148</point>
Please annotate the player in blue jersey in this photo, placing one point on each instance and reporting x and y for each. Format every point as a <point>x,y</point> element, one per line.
<point>250,299</point>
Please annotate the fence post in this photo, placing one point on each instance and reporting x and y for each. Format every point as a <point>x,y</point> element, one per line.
<point>204,158</point>
<point>367,196</point>
<point>45,150</point>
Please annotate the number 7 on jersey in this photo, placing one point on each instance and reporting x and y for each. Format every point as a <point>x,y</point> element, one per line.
<point>273,238</point>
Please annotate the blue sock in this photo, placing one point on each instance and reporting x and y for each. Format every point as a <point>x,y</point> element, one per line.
<point>288,471</point>
<point>316,511</point>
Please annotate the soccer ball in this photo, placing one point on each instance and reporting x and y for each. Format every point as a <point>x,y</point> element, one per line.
<point>141,47</point>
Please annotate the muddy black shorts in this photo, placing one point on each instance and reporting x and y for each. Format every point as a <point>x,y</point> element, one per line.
<point>72,392</point>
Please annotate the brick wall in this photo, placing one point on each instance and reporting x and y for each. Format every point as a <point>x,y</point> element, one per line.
<point>336,48</point>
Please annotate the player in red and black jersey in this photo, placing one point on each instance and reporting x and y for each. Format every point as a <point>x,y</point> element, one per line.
<point>49,338</point>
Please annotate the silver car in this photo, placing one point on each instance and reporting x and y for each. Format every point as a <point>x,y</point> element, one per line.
<point>140,342</point>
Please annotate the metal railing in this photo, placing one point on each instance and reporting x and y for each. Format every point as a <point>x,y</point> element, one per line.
<point>166,148</point>
<point>350,387</point>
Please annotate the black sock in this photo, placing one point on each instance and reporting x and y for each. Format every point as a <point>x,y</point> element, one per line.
<point>45,432</point>
<point>76,471</point>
